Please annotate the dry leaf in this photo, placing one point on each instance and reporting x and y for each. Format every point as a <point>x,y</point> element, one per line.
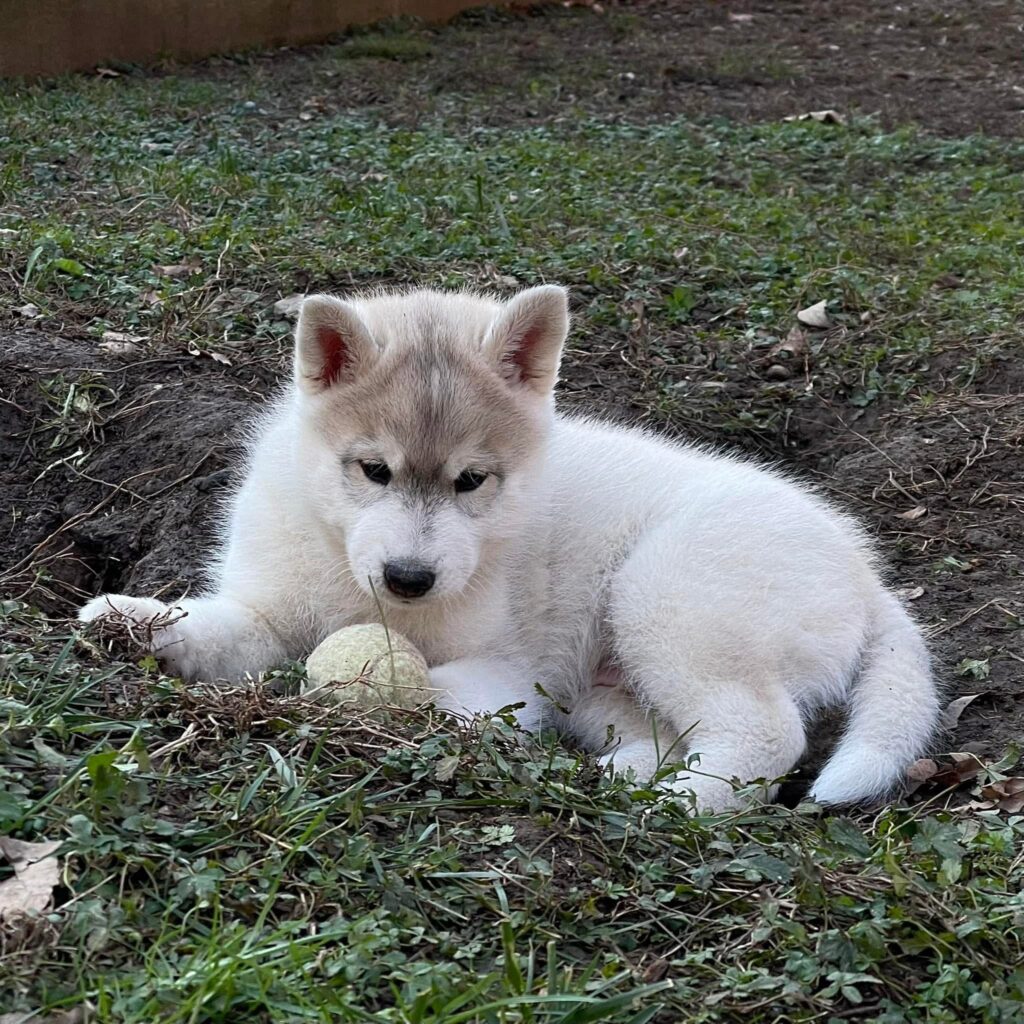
<point>920,772</point>
<point>1006,795</point>
<point>639,310</point>
<point>30,311</point>
<point>740,19</point>
<point>815,316</point>
<point>119,344</point>
<point>975,805</point>
<point>952,712</point>
<point>655,970</point>
<point>793,347</point>
<point>913,513</point>
<point>119,336</point>
<point>821,116</point>
<point>788,356</point>
<point>107,73</point>
<point>910,593</point>
<point>289,306</point>
<point>217,357</point>
<point>964,768</point>
<point>36,874</point>
<point>176,269</point>
<point>119,348</point>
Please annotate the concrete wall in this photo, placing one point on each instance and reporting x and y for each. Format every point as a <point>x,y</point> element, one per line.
<point>47,37</point>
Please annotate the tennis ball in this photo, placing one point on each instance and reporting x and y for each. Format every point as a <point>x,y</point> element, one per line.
<point>368,666</point>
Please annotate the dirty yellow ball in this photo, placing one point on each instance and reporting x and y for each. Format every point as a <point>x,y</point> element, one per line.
<point>368,666</point>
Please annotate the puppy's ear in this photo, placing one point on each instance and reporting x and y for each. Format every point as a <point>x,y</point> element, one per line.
<point>526,338</point>
<point>332,344</point>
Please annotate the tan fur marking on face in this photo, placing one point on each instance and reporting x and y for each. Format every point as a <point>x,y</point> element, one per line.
<point>432,391</point>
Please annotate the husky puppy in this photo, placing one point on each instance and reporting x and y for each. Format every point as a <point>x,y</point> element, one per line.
<point>665,596</point>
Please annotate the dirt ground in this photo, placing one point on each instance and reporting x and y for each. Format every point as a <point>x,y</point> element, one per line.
<point>951,67</point>
<point>943,489</point>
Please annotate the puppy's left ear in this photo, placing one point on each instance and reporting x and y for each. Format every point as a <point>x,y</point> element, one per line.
<point>526,338</point>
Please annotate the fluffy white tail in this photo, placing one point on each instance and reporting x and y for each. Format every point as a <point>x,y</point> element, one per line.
<point>894,710</point>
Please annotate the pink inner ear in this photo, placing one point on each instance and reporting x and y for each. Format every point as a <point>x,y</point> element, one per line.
<point>521,355</point>
<point>334,352</point>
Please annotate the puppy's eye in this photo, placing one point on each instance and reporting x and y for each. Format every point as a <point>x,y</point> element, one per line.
<point>378,472</point>
<point>470,480</point>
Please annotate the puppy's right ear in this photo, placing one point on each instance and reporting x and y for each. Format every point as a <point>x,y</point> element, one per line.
<point>332,344</point>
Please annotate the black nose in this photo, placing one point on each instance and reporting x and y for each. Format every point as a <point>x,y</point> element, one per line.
<point>408,579</point>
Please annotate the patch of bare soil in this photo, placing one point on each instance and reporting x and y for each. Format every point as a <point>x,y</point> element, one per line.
<point>951,67</point>
<point>945,491</point>
<point>161,435</point>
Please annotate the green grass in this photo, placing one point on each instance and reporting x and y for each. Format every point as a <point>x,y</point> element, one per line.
<point>243,855</point>
<point>386,46</point>
<point>238,856</point>
<point>721,231</point>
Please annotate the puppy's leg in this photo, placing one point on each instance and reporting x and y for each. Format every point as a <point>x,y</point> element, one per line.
<point>208,638</point>
<point>740,734</point>
<point>608,720</point>
<point>482,686</point>
<point>711,659</point>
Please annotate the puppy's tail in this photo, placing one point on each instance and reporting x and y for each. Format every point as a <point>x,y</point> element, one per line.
<point>893,714</point>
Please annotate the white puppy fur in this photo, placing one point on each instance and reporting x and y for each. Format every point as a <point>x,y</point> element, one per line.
<point>676,601</point>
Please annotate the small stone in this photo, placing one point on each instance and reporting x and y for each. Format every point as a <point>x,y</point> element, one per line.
<point>289,306</point>
<point>119,348</point>
<point>815,316</point>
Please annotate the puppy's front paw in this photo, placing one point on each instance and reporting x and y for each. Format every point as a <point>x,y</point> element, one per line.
<point>146,625</point>
<point>120,606</point>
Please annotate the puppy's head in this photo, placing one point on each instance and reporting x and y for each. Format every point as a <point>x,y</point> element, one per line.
<point>424,419</point>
